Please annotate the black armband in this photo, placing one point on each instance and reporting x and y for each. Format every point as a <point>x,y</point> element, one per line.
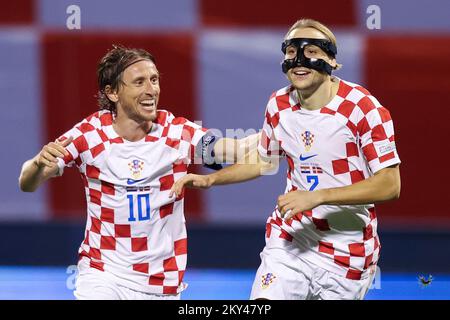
<point>205,151</point>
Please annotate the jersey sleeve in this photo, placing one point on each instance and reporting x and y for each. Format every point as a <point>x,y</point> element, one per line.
<point>185,135</point>
<point>269,146</point>
<point>376,133</point>
<point>75,148</point>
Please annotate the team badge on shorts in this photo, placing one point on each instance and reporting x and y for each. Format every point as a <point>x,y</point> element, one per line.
<point>267,279</point>
<point>308,140</point>
<point>136,167</point>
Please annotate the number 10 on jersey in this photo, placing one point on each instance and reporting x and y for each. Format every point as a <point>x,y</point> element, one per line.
<point>143,207</point>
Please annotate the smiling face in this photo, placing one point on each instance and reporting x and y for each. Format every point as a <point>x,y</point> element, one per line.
<point>303,78</point>
<point>138,93</point>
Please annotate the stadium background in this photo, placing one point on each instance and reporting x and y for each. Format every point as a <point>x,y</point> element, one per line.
<point>220,61</point>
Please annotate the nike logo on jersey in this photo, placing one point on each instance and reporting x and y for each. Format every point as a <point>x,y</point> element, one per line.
<point>302,158</point>
<point>131,181</point>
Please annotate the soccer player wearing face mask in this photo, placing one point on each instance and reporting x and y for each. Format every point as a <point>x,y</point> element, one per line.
<point>338,141</point>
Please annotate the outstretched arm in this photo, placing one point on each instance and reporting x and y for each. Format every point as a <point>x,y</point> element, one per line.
<point>43,166</point>
<point>233,151</point>
<point>383,186</point>
<point>250,167</point>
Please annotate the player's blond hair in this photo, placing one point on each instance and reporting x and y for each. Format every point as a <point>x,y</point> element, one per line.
<point>311,23</point>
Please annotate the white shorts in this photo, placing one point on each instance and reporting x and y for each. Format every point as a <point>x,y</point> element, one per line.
<point>284,276</point>
<point>93,285</point>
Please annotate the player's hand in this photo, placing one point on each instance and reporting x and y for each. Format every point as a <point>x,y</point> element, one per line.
<point>47,158</point>
<point>294,202</point>
<point>192,181</point>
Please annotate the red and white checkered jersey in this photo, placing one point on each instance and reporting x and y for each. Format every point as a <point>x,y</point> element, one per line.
<point>135,233</point>
<point>344,142</point>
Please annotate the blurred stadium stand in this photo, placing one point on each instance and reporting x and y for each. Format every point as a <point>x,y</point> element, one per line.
<point>217,246</point>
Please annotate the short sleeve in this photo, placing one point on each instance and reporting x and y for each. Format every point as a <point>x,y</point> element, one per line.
<point>376,133</point>
<point>269,146</point>
<point>184,135</point>
<point>75,148</point>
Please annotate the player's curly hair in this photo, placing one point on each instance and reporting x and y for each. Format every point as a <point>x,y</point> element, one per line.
<point>110,70</point>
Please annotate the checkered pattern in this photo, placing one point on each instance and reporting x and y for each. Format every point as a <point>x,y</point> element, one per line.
<point>340,144</point>
<point>308,139</point>
<point>134,231</point>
